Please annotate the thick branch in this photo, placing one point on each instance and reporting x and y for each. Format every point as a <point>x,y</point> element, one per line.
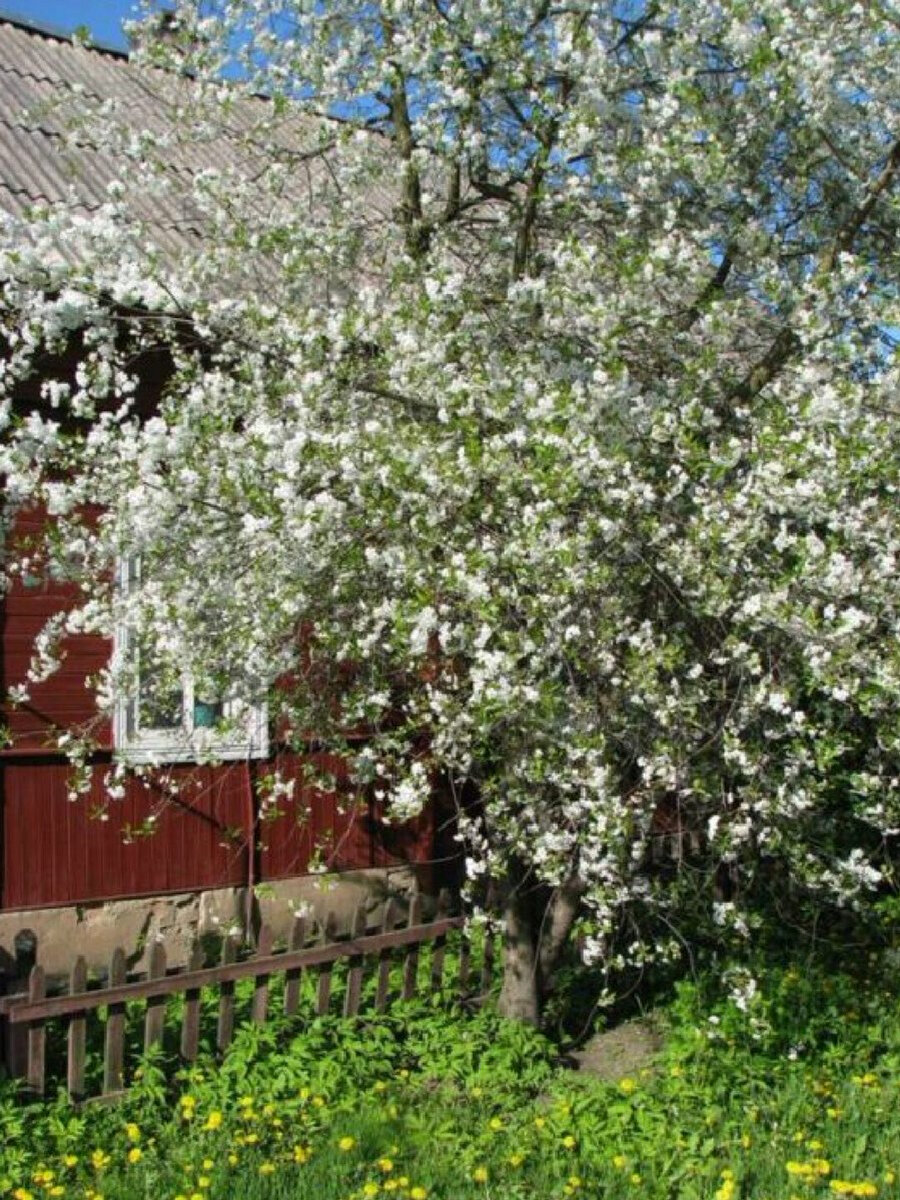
<point>712,289</point>
<point>561,913</point>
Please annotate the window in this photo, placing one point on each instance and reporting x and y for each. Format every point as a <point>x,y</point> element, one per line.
<point>157,718</point>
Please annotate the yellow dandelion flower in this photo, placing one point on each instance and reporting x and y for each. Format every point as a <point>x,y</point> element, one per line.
<point>57,1190</point>
<point>568,1142</point>
<point>203,1181</point>
<point>22,1194</point>
<point>70,1160</point>
<point>418,1193</point>
<point>301,1154</point>
<point>266,1168</point>
<point>516,1160</point>
<point>232,1160</point>
<point>207,1164</point>
<point>540,1122</point>
<point>346,1144</point>
<point>385,1164</point>
<point>627,1085</point>
<point>135,1154</point>
<point>619,1161</point>
<point>132,1132</point>
<point>99,1159</point>
<point>480,1174</point>
<point>213,1121</point>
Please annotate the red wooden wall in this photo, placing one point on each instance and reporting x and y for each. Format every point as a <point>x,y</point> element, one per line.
<point>57,851</point>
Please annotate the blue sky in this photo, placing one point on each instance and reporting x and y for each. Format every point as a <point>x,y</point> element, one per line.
<point>102,17</point>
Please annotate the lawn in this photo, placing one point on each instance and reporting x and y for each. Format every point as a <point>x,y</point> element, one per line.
<point>780,1088</point>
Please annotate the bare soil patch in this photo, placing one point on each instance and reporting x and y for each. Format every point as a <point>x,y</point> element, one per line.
<point>623,1051</point>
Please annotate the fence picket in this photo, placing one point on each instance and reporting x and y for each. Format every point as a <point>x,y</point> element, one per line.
<point>77,1034</point>
<point>357,963</point>
<point>225,1025</point>
<point>37,1033</point>
<point>465,963</point>
<point>29,1011</point>
<point>487,962</point>
<point>260,1006</point>
<point>294,975</point>
<point>323,992</point>
<point>411,960</point>
<point>190,1021</point>
<point>114,1055</point>
<point>388,921</point>
<point>439,944</point>
<point>156,1005</point>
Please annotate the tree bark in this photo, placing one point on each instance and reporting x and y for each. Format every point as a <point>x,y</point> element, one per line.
<point>520,990</point>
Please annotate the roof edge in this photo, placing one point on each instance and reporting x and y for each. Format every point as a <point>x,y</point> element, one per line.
<point>47,29</point>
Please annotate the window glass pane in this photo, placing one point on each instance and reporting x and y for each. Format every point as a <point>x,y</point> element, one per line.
<point>207,713</point>
<point>160,697</point>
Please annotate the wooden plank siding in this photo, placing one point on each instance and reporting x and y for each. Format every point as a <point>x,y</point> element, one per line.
<point>56,852</point>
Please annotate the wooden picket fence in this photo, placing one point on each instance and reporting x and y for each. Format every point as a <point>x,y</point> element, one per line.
<point>311,947</point>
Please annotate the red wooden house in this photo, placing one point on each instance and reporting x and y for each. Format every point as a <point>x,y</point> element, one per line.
<point>55,851</point>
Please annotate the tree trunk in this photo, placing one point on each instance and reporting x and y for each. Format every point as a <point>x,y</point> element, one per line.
<point>520,991</point>
<point>536,928</point>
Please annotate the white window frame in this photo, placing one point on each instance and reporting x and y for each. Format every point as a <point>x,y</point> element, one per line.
<point>246,736</point>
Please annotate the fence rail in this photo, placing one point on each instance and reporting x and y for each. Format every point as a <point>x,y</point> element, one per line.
<point>393,943</point>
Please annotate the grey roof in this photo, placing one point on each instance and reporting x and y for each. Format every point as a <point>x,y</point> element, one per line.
<point>46,158</point>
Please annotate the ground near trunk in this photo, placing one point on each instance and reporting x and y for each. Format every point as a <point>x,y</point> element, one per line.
<point>620,1052</point>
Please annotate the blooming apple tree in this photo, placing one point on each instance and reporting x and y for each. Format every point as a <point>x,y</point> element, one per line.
<point>532,399</point>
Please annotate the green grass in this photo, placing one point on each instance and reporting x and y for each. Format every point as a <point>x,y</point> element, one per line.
<point>795,1097</point>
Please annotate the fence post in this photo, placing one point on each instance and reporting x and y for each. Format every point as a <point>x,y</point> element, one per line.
<point>439,944</point>
<point>156,1005</point>
<point>6,1028</point>
<point>225,1026</point>
<point>411,962</point>
<point>294,976</point>
<point>355,974</point>
<point>323,995</point>
<point>114,1056</point>
<point>465,962</point>
<point>37,1033</point>
<point>190,1022</point>
<point>15,1051</point>
<point>388,921</point>
<point>260,1005</point>
<point>77,1039</point>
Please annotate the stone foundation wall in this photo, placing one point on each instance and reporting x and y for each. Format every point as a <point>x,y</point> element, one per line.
<point>56,936</point>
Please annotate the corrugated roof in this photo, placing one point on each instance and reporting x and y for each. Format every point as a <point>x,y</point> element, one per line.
<point>47,157</point>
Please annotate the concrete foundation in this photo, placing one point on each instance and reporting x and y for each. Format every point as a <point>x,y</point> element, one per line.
<point>54,937</point>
